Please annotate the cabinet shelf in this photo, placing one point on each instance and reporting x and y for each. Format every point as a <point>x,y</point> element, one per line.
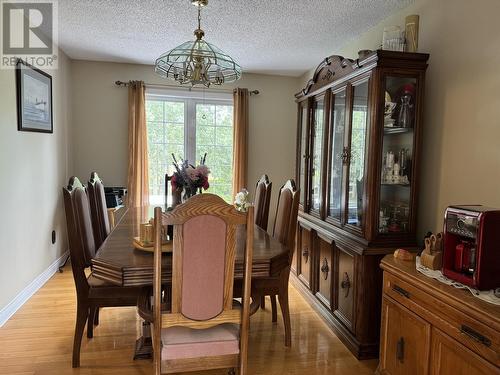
<point>395,130</point>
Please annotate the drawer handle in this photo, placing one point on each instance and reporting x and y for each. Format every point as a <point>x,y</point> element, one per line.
<point>401,291</point>
<point>305,254</point>
<point>475,335</point>
<point>400,350</point>
<point>346,284</point>
<point>325,269</point>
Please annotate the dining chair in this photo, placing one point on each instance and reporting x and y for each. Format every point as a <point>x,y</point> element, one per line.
<point>98,209</point>
<point>285,225</point>
<point>261,202</point>
<point>204,329</point>
<point>262,199</point>
<point>91,293</point>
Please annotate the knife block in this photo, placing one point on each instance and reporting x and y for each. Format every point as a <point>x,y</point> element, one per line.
<point>432,261</point>
<point>432,256</point>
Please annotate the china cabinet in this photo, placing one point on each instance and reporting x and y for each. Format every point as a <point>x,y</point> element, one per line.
<point>358,149</point>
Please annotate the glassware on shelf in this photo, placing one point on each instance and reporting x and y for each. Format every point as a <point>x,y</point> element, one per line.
<point>394,217</point>
<point>394,169</point>
<point>405,119</point>
<point>403,163</point>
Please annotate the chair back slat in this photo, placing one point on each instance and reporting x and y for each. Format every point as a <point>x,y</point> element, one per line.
<point>80,233</point>
<point>285,223</point>
<point>99,210</point>
<point>262,199</point>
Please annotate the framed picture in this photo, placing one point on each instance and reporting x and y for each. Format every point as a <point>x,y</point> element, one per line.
<point>34,99</point>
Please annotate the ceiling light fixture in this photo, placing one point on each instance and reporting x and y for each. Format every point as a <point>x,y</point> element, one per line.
<point>198,62</point>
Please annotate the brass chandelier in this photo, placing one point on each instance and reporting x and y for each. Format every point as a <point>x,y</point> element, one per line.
<point>198,62</point>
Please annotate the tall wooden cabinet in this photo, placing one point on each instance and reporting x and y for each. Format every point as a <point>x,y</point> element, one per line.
<point>358,148</point>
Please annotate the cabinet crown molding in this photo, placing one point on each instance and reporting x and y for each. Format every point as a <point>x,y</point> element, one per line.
<point>334,67</point>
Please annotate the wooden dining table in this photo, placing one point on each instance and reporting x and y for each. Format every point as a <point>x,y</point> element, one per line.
<point>119,263</point>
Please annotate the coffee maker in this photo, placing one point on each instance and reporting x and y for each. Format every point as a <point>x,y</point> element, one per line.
<point>471,251</point>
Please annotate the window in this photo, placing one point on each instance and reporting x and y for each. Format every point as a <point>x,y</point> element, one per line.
<point>189,125</point>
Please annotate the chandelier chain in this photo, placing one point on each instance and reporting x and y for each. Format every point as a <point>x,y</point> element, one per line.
<point>199,17</point>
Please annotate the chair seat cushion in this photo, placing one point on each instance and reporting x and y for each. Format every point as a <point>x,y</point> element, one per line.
<point>183,342</point>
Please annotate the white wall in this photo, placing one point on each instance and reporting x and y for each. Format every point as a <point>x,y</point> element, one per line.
<point>461,145</point>
<point>100,122</point>
<point>34,167</point>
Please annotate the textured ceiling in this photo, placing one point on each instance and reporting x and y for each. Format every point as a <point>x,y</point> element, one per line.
<point>285,37</point>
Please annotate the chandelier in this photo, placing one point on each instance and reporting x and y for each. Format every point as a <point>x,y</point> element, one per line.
<point>198,62</point>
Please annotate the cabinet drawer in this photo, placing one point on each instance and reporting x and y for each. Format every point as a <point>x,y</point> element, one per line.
<point>475,335</point>
<point>325,270</point>
<point>344,287</point>
<point>449,357</point>
<point>305,254</point>
<point>404,342</point>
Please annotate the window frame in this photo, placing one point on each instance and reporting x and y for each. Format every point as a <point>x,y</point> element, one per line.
<point>191,99</point>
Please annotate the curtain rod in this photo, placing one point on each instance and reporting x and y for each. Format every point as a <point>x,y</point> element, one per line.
<point>125,84</point>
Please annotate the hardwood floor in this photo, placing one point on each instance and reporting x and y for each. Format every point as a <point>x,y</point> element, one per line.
<point>38,340</point>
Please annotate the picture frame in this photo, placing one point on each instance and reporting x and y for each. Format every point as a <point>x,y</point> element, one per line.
<point>34,99</point>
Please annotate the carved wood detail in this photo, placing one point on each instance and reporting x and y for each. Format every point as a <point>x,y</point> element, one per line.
<point>330,69</point>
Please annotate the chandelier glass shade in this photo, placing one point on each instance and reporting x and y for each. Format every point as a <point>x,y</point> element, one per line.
<point>198,62</point>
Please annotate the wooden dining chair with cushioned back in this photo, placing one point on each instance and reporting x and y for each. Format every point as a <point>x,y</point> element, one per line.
<point>98,209</point>
<point>91,292</point>
<point>284,231</point>
<point>261,202</point>
<point>204,329</point>
<point>262,199</point>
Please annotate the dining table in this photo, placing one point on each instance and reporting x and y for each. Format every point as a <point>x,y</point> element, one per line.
<point>118,261</point>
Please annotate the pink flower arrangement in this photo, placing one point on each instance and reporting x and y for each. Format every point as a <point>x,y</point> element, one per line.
<point>189,177</point>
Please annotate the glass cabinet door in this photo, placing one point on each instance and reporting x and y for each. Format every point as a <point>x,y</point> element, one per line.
<point>336,159</point>
<point>302,162</point>
<point>359,126</point>
<point>397,153</point>
<point>317,131</point>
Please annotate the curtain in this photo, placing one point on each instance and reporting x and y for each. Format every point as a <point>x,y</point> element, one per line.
<point>240,139</point>
<point>138,179</point>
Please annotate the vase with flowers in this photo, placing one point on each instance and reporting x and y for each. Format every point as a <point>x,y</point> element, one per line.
<point>241,201</point>
<point>188,178</point>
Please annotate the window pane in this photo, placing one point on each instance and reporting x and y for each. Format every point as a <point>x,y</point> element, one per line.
<point>205,115</point>
<point>358,148</point>
<point>154,110</point>
<point>174,112</point>
<point>165,122</point>
<point>205,135</point>
<point>214,136</point>
<point>317,153</point>
<point>224,136</point>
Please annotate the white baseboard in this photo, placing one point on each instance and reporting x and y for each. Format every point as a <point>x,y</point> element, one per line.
<point>31,289</point>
